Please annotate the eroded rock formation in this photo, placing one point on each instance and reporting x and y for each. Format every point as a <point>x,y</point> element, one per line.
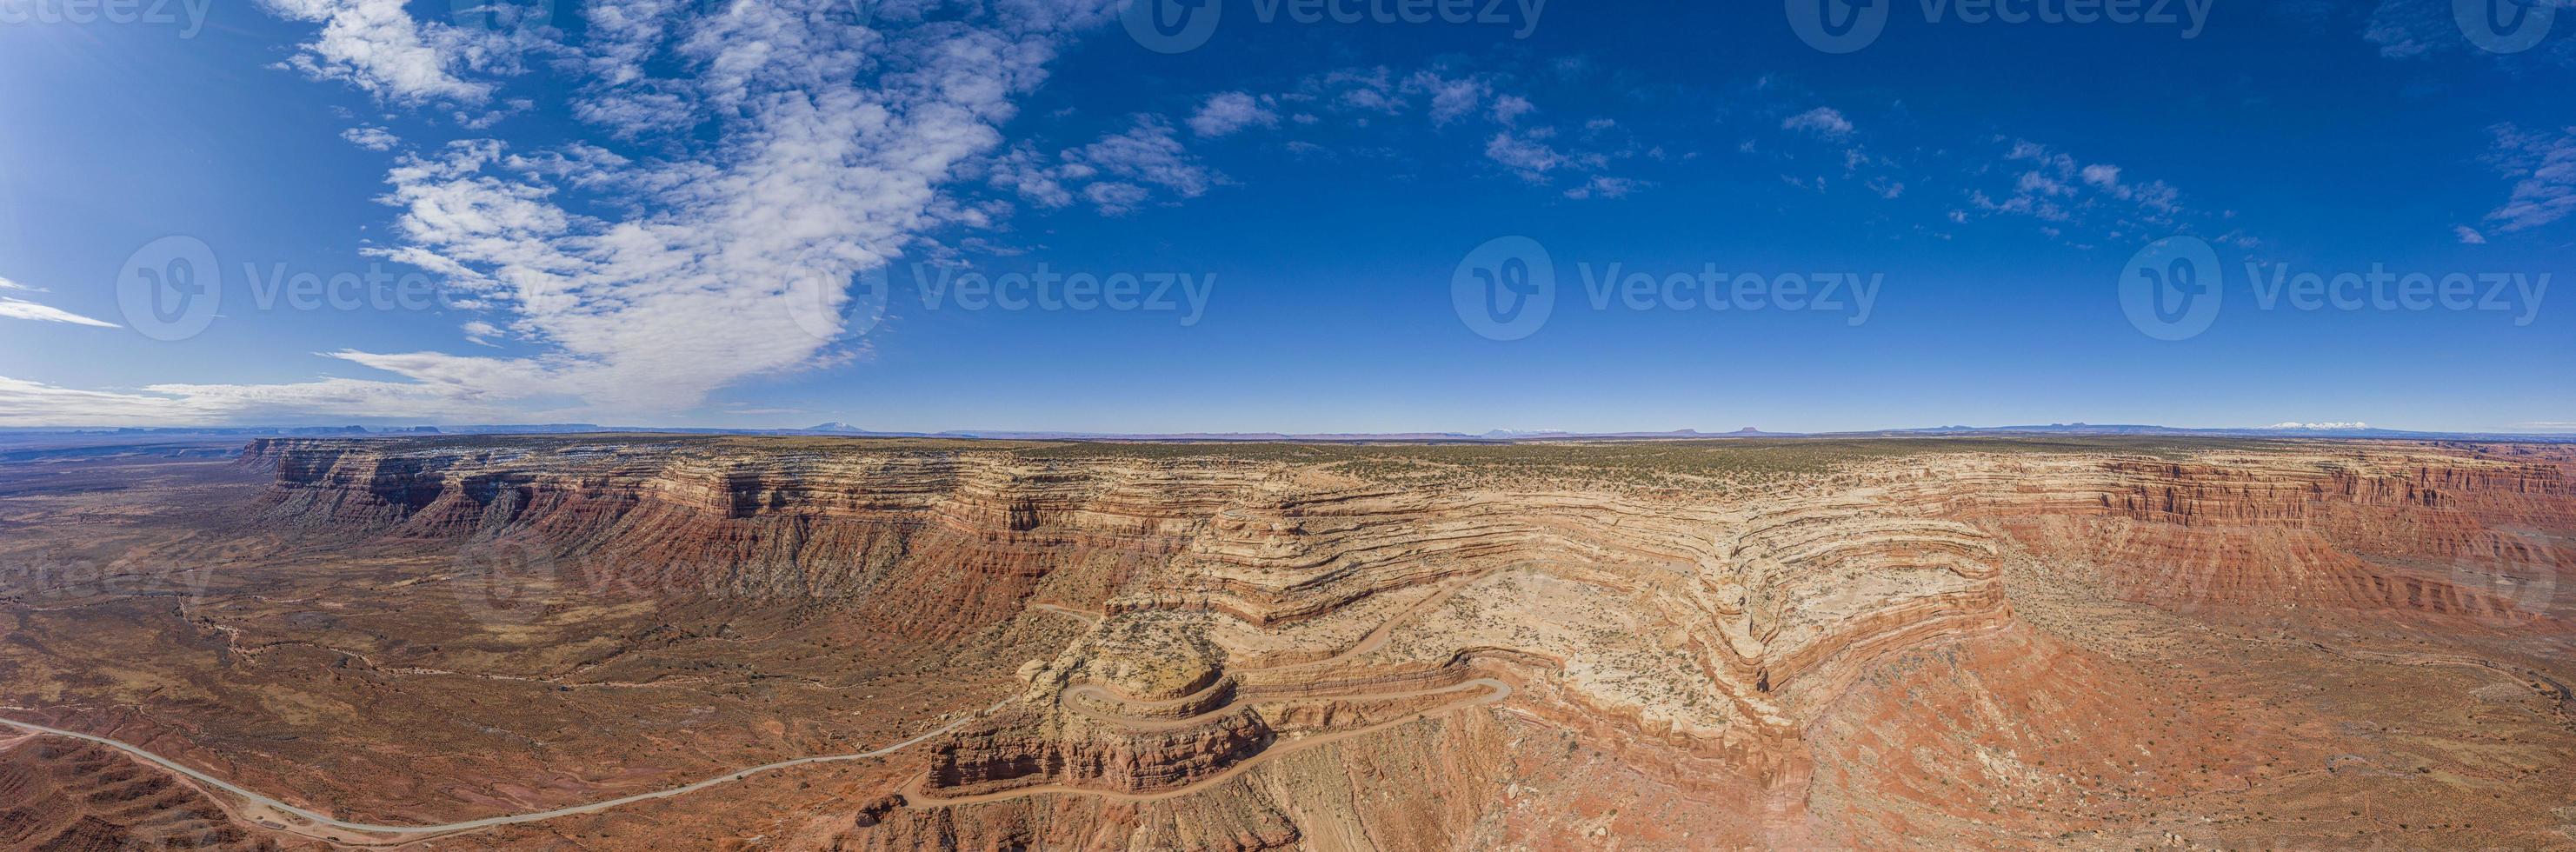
<point>1811,660</point>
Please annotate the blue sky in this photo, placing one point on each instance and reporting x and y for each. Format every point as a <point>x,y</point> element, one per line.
<point>774,214</point>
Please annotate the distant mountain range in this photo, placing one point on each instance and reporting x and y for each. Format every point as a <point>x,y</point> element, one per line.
<point>2278,430</point>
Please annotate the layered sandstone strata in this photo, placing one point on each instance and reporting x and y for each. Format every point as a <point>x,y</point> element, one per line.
<point>1249,607</point>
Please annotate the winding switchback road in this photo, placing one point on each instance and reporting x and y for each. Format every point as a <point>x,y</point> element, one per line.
<point>319,821</point>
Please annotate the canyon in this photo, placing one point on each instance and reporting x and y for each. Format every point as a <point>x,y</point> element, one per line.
<point>656,641</point>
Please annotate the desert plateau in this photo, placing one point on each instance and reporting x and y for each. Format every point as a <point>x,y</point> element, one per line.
<point>665,642</point>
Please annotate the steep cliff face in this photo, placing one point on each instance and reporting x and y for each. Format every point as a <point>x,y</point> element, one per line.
<point>1261,618</point>
<point>930,545</point>
<point>2415,532</point>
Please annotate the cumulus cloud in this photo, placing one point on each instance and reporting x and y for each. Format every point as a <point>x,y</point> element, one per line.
<point>1231,111</point>
<point>378,46</point>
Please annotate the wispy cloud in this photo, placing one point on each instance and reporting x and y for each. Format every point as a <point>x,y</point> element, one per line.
<point>1116,173</point>
<point>2092,201</point>
<point>26,310</point>
<point>371,138</point>
<point>1476,105</point>
<point>1822,121</point>
<point>2542,166</point>
<point>797,146</point>
<point>11,308</point>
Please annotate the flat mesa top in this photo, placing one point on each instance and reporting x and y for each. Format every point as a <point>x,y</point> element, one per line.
<point>1643,463</point>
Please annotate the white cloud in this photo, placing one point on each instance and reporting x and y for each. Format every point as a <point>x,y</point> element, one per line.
<point>26,403</point>
<point>39,312</point>
<point>1446,95</point>
<point>1231,111</point>
<point>1116,173</point>
<point>377,46</point>
<point>794,147</point>
<point>1823,121</point>
<point>2468,236</point>
<point>1451,98</point>
<point>1604,186</point>
<point>1524,154</point>
<point>26,310</point>
<point>2424,29</point>
<point>2408,29</point>
<point>2054,187</point>
<point>2542,167</point>
<point>371,138</point>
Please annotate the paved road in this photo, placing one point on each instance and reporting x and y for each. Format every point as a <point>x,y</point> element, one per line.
<point>487,822</point>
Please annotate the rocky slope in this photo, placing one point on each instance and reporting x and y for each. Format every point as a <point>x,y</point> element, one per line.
<point>77,797</point>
